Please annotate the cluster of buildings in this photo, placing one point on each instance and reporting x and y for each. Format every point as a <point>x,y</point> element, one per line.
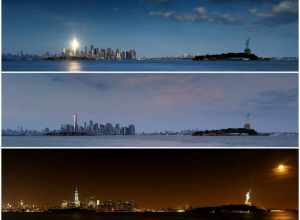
<point>100,53</point>
<point>98,129</point>
<point>20,206</point>
<point>76,203</point>
<point>96,205</point>
<point>90,129</point>
<point>99,205</point>
<point>20,132</point>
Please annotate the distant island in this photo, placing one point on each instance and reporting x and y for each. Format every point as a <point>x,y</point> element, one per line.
<point>229,56</point>
<point>246,55</point>
<point>240,208</point>
<point>230,132</point>
<point>244,131</point>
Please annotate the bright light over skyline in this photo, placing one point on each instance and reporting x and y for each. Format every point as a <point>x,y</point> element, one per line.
<point>75,45</point>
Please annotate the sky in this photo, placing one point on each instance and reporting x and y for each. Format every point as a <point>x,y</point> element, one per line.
<point>152,102</point>
<point>153,178</point>
<point>154,28</point>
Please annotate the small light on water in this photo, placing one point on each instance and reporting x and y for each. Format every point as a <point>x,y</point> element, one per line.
<point>276,210</point>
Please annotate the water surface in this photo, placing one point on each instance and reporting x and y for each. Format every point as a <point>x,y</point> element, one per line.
<point>150,65</point>
<point>285,215</point>
<point>150,141</point>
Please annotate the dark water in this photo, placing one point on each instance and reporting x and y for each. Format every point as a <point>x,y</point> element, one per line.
<point>285,215</point>
<point>150,141</point>
<point>150,65</point>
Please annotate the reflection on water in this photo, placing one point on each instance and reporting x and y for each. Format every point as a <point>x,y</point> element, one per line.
<point>149,65</point>
<point>286,215</point>
<point>73,66</point>
<point>283,215</point>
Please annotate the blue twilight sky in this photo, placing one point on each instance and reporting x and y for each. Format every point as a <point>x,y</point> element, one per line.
<point>152,102</point>
<point>153,27</point>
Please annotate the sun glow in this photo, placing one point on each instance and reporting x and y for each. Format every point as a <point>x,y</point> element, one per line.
<point>75,45</point>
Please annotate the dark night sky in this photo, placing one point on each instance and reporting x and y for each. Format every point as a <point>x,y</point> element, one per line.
<point>153,178</point>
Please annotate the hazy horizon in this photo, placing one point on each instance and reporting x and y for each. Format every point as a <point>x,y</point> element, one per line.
<point>152,102</point>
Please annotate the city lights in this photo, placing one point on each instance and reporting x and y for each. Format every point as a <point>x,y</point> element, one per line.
<point>100,181</point>
<point>92,53</point>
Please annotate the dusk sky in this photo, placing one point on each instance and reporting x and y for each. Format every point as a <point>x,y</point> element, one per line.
<point>153,27</point>
<point>153,178</point>
<point>153,102</point>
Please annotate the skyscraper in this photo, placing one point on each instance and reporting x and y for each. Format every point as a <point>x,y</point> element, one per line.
<point>75,122</point>
<point>248,198</point>
<point>131,130</point>
<point>91,50</point>
<point>76,198</point>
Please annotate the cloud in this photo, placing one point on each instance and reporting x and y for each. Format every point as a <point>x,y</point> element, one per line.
<point>164,14</point>
<point>242,1</point>
<point>283,12</point>
<point>226,18</point>
<point>279,12</point>
<point>101,85</point>
<point>186,18</point>
<point>275,99</point>
<point>159,1</point>
<point>199,14</point>
<point>257,13</point>
<point>286,7</point>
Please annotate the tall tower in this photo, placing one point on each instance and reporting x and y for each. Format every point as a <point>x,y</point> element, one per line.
<point>76,198</point>
<point>248,198</point>
<point>75,122</point>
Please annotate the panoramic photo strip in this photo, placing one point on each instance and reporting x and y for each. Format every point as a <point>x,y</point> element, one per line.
<point>150,110</point>
<point>149,184</point>
<point>150,35</point>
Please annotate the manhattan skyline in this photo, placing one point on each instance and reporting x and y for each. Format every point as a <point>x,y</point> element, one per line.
<point>153,178</point>
<point>152,102</point>
<point>155,28</point>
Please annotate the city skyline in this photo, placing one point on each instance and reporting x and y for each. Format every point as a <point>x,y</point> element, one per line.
<point>152,26</point>
<point>153,102</point>
<point>75,128</point>
<point>86,128</point>
<point>93,52</point>
<point>93,203</point>
<point>153,178</point>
